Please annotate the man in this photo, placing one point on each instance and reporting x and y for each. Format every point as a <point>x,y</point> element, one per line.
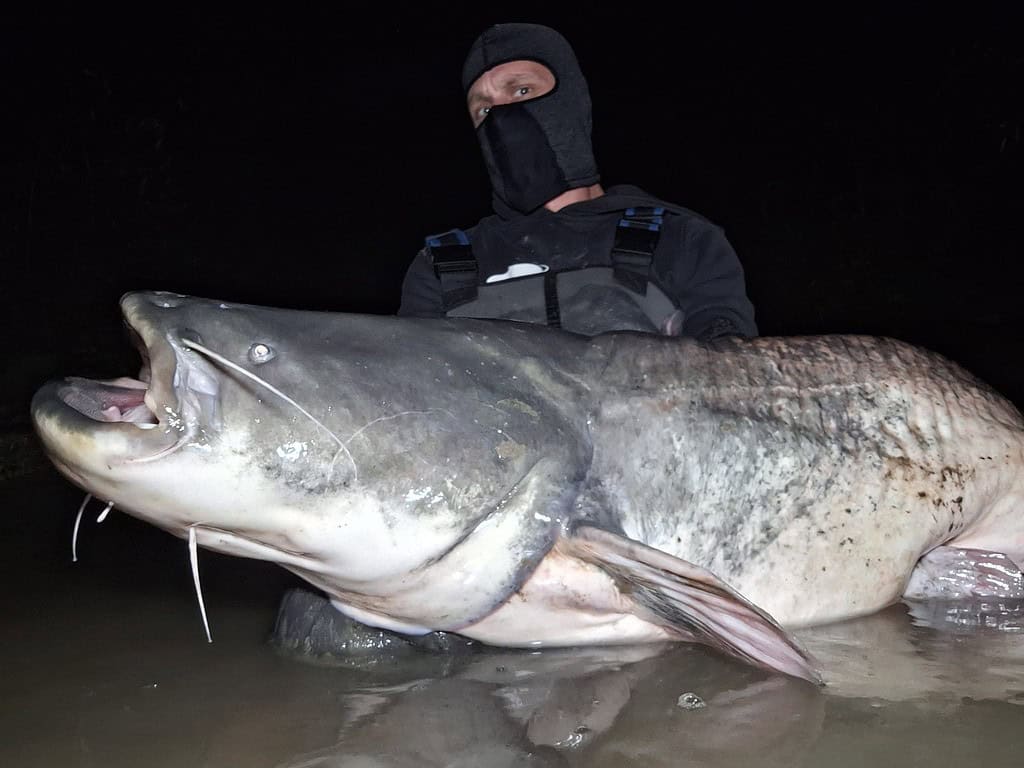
<point>560,249</point>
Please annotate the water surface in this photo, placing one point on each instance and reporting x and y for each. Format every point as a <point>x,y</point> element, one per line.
<point>105,664</point>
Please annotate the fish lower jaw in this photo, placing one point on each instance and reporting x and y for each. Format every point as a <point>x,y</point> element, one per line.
<point>71,474</point>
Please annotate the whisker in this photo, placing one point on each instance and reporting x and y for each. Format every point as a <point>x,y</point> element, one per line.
<point>193,556</point>
<point>78,522</point>
<point>105,512</point>
<point>249,374</point>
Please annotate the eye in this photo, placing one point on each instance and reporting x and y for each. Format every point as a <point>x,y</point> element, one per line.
<point>522,91</point>
<point>166,300</point>
<point>479,115</point>
<point>261,353</point>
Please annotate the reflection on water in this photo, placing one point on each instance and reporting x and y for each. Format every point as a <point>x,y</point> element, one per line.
<point>105,664</point>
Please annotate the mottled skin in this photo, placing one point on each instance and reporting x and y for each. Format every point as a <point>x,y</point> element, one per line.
<point>457,458</point>
<point>809,473</point>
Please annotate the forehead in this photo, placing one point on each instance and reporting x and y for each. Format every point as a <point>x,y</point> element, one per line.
<point>510,72</point>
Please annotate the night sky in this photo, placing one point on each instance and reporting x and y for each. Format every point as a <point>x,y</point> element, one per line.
<point>865,164</point>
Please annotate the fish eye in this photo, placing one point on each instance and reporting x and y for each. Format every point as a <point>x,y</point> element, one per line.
<point>166,300</point>
<point>261,353</point>
<point>522,90</point>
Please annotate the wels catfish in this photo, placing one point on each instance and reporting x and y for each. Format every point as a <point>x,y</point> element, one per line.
<point>528,487</point>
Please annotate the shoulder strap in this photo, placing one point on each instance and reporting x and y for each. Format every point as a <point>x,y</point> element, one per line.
<point>455,267</point>
<point>636,238</point>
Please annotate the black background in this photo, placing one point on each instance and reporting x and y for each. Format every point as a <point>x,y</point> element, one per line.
<point>864,161</point>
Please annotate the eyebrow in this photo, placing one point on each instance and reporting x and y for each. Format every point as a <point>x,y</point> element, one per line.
<point>514,76</point>
<point>475,100</point>
<point>511,80</point>
<point>519,78</point>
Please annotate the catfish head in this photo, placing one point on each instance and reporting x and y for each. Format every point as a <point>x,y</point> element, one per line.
<point>362,452</point>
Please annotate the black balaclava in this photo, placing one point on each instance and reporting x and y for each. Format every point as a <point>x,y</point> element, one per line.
<point>538,148</point>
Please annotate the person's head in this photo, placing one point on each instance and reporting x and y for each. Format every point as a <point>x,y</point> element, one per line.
<point>531,107</point>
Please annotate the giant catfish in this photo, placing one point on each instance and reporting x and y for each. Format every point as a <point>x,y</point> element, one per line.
<point>524,486</point>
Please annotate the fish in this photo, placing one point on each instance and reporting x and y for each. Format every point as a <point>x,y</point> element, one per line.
<point>528,487</point>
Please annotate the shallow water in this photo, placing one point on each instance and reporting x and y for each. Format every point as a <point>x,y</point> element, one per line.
<point>105,664</point>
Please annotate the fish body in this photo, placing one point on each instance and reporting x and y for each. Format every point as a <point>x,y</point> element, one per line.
<point>525,486</point>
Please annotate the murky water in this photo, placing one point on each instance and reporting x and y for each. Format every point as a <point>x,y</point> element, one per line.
<point>105,664</point>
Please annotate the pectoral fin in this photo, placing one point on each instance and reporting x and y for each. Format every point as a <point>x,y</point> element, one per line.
<point>692,601</point>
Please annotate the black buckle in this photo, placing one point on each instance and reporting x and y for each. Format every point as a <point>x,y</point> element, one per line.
<point>636,239</point>
<point>451,252</point>
<point>454,266</point>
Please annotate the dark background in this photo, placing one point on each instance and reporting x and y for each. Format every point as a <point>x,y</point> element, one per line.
<point>865,162</point>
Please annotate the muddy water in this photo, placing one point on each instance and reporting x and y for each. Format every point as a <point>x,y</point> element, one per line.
<point>104,663</point>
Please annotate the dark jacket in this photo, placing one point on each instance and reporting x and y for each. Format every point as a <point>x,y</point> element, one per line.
<point>694,265</point>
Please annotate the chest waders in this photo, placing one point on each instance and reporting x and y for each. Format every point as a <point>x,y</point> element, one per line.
<point>541,298</point>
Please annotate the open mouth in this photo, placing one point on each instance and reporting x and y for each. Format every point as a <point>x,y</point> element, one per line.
<point>175,393</point>
<point>123,399</point>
